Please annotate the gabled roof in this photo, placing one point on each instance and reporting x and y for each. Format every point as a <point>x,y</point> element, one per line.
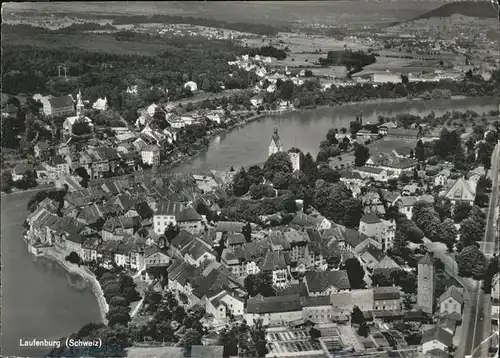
<point>403,132</point>
<point>460,188</point>
<point>229,226</point>
<point>407,200</point>
<point>256,250</point>
<point>109,246</point>
<point>366,169</point>
<point>182,239</point>
<point>259,304</point>
<point>350,175</point>
<point>370,218</point>
<point>169,208</point>
<point>61,102</point>
<point>426,260</point>
<point>303,220</point>
<point>213,283</point>
<point>296,237</point>
<point>453,292</point>
<point>188,214</point>
<point>319,281</point>
<point>374,252</point>
<point>236,239</point>
<point>325,246</point>
<point>196,250</point>
<point>438,334</point>
<point>278,241</point>
<point>76,238</point>
<point>275,260</point>
<point>386,293</point>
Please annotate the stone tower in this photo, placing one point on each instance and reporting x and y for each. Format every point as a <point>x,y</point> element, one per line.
<point>295,159</point>
<point>426,284</point>
<point>275,146</point>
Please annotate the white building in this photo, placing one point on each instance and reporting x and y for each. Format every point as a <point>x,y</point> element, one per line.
<point>151,155</point>
<point>101,104</point>
<point>165,215</point>
<point>436,339</point>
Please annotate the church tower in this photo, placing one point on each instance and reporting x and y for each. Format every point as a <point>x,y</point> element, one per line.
<point>275,146</point>
<point>426,284</point>
<point>79,104</point>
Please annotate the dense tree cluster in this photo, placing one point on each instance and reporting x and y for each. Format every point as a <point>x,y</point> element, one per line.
<point>355,272</point>
<point>354,61</point>
<point>260,283</point>
<point>55,195</point>
<point>119,291</point>
<point>171,322</point>
<point>472,263</point>
<point>114,342</point>
<point>406,280</point>
<point>241,340</point>
<point>335,201</point>
<point>30,70</point>
<point>269,51</point>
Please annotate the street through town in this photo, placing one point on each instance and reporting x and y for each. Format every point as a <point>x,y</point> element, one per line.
<point>479,322</point>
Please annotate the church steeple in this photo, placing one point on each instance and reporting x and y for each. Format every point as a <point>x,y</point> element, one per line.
<point>275,146</point>
<point>79,104</point>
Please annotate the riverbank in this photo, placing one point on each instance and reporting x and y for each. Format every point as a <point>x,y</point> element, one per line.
<point>89,277</point>
<point>382,101</point>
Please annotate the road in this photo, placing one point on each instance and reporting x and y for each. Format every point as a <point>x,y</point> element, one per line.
<point>479,322</point>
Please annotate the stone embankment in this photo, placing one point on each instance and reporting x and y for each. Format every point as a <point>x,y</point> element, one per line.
<point>86,275</point>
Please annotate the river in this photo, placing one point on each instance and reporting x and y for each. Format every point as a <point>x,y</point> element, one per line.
<point>244,146</point>
<point>40,300</point>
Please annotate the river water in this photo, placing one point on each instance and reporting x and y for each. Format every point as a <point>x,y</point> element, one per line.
<point>41,300</point>
<point>248,145</point>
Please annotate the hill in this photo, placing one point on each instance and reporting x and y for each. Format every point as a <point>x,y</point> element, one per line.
<point>481,9</point>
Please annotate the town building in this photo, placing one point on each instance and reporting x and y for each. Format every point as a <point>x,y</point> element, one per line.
<point>436,339</point>
<point>377,174</point>
<point>441,179</point>
<point>383,230</point>
<point>189,220</point>
<point>101,104</point>
<point>451,301</point>
<point>426,284</point>
<point>324,283</point>
<point>166,214</point>
<point>462,191</point>
<point>277,265</point>
<point>59,106</point>
<point>402,133</point>
<point>386,299</point>
<point>275,310</point>
<point>151,155</point>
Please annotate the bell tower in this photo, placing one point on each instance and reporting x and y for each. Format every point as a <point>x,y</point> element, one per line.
<point>79,104</point>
